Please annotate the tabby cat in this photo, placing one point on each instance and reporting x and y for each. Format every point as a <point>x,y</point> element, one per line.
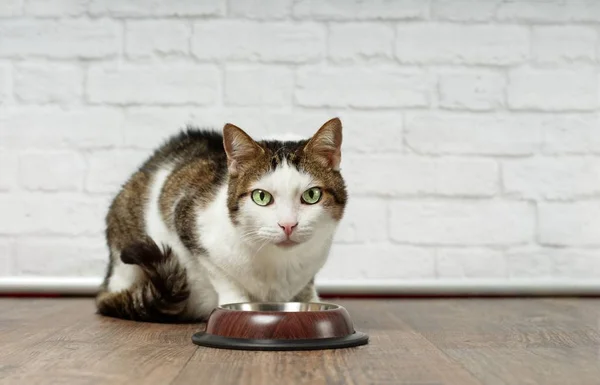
<point>215,218</point>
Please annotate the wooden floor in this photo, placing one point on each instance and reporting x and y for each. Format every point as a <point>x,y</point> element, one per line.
<point>416,342</point>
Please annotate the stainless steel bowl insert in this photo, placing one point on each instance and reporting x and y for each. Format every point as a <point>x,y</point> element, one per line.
<point>280,306</point>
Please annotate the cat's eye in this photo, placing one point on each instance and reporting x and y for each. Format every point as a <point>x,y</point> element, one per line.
<point>262,197</point>
<point>312,195</point>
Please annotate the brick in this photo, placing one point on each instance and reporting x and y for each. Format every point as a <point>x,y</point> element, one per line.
<point>360,10</point>
<point>11,8</point>
<point>148,127</point>
<point>52,128</point>
<point>464,10</point>
<point>434,133</point>
<point>54,214</point>
<point>552,178</point>
<point>69,38</point>
<point>5,83</point>
<point>258,86</point>
<point>530,262</point>
<point>576,264</point>
<point>145,8</point>
<point>583,10</point>
<point>253,120</point>
<point>547,11</point>
<point>363,88</point>
<point>110,169</point>
<point>365,220</point>
<point>267,42</point>
<point>51,171</point>
<point>148,85</point>
<point>477,91</point>
<point>385,137</point>
<point>475,223</point>
<point>388,175</point>
<point>471,263</point>
<point>260,9</point>
<point>79,257</point>
<point>44,83</point>
<point>537,262</point>
<point>59,8</point>
<point>145,38</point>
<point>569,224</point>
<point>360,42</point>
<point>9,164</point>
<point>301,123</point>
<point>572,134</point>
<point>552,90</point>
<point>551,44</point>
<point>379,261</point>
<point>461,44</point>
<point>6,255</point>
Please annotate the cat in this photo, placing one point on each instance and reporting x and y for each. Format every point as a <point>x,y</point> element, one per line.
<point>214,218</point>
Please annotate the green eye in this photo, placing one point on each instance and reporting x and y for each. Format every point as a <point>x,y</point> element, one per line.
<point>311,196</point>
<point>261,197</point>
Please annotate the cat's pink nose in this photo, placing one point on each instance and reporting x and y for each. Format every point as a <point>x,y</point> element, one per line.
<point>288,228</point>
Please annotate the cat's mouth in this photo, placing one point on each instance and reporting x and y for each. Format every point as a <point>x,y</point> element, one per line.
<point>287,243</point>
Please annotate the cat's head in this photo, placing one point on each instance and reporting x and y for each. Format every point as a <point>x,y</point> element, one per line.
<point>285,192</point>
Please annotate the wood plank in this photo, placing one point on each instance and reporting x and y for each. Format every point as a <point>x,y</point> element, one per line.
<point>519,323</point>
<point>547,366</point>
<point>482,341</point>
<point>514,341</point>
<point>396,354</point>
<point>22,321</point>
<point>587,310</point>
<point>74,345</point>
<point>51,362</point>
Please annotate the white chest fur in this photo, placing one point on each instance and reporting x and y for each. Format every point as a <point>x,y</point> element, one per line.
<point>231,270</point>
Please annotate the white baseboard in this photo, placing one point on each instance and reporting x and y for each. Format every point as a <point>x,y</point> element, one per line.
<point>89,286</point>
<point>49,285</point>
<point>464,287</point>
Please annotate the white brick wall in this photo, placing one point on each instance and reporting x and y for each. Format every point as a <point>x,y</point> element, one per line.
<point>472,128</point>
<point>442,43</point>
<point>553,90</point>
<point>146,38</point>
<point>471,90</point>
<point>48,83</point>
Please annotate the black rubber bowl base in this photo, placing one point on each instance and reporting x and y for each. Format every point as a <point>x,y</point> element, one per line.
<point>214,341</point>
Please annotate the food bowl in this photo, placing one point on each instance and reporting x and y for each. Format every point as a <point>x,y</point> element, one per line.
<point>280,326</point>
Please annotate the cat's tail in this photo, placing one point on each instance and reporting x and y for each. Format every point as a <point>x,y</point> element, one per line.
<point>159,296</point>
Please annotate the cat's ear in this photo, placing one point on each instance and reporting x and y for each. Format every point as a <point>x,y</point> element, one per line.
<point>326,145</point>
<point>239,147</point>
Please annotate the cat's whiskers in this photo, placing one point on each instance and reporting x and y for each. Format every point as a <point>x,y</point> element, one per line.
<point>261,247</point>
<point>248,250</point>
<point>252,236</point>
<point>248,234</point>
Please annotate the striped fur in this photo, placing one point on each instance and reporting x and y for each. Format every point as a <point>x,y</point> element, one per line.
<point>178,229</point>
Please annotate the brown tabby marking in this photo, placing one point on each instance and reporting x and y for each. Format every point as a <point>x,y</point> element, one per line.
<point>310,156</point>
<point>149,299</point>
<point>202,161</point>
<point>125,220</point>
<point>160,296</point>
<point>187,190</point>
